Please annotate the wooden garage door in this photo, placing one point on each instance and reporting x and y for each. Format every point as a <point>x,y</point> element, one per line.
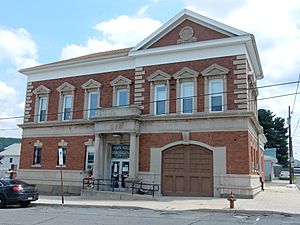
<point>187,170</point>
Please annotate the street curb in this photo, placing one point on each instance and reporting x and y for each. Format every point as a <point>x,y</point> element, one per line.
<point>228,210</point>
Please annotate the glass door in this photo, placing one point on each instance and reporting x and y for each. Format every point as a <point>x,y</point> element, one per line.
<point>119,172</point>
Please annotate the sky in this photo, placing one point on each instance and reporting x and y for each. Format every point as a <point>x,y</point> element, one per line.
<point>37,32</point>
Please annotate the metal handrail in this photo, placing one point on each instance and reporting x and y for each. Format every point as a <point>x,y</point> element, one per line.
<point>141,188</point>
<point>92,182</point>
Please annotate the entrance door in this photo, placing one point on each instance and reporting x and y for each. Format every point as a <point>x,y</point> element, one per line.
<point>187,170</point>
<point>119,172</point>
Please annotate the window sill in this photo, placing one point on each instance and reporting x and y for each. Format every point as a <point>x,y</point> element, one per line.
<point>63,166</point>
<point>36,166</point>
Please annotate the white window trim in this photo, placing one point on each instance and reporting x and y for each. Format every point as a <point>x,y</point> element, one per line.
<point>89,149</point>
<point>40,108</point>
<point>157,78</point>
<point>118,98</point>
<point>185,75</point>
<point>89,103</point>
<point>120,83</point>
<point>217,94</point>
<point>63,107</point>
<point>155,99</point>
<point>181,97</point>
<point>89,87</point>
<point>35,156</point>
<point>40,92</point>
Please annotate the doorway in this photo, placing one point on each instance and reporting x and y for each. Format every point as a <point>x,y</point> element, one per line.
<point>119,172</point>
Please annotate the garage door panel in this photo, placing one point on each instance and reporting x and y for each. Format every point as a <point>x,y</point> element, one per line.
<point>179,185</point>
<point>191,170</point>
<point>168,187</point>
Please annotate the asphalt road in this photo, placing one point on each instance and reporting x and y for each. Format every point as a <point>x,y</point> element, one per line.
<point>60,215</point>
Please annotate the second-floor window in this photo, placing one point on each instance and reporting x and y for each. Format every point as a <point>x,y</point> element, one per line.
<point>92,104</point>
<point>67,107</point>
<point>160,97</point>
<point>216,95</point>
<point>42,109</point>
<point>187,97</point>
<point>122,97</point>
<point>37,156</point>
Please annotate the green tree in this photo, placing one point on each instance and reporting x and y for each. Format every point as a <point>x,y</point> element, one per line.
<point>276,134</point>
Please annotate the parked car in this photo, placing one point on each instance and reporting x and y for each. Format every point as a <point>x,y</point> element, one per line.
<point>17,192</point>
<point>284,175</point>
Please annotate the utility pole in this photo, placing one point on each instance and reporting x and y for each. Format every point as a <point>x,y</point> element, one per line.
<point>291,159</point>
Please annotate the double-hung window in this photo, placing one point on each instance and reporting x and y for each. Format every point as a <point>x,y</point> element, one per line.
<point>160,97</point>
<point>90,157</point>
<point>187,97</point>
<point>64,154</point>
<point>67,107</point>
<point>41,103</point>
<point>216,95</point>
<point>122,97</point>
<point>42,109</point>
<point>37,156</point>
<point>92,103</point>
<point>121,91</point>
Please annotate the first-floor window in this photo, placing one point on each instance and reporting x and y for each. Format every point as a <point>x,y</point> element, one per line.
<point>90,157</point>
<point>187,94</point>
<point>160,97</point>
<point>92,104</point>
<point>216,95</point>
<point>37,156</point>
<point>122,97</point>
<point>67,107</point>
<point>64,155</point>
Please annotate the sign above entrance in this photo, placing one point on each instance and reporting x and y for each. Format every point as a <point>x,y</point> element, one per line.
<point>120,151</point>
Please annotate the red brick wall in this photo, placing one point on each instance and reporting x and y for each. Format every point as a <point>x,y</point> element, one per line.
<point>236,143</point>
<point>254,155</point>
<point>199,66</point>
<point>105,92</point>
<point>200,32</point>
<point>75,152</point>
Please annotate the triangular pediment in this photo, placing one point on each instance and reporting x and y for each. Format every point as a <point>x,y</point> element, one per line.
<point>90,84</point>
<point>41,90</point>
<point>185,72</point>
<point>215,69</point>
<point>158,76</point>
<point>120,80</point>
<point>65,87</point>
<point>177,31</point>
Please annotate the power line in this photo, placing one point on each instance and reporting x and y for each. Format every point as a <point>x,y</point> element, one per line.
<point>243,102</point>
<point>230,91</point>
<point>295,95</point>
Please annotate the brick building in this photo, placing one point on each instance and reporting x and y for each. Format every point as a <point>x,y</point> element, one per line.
<point>178,109</point>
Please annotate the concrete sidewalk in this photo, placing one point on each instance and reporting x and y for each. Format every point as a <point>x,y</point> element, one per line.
<point>277,197</point>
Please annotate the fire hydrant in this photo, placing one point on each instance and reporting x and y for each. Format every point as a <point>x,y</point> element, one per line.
<point>231,200</point>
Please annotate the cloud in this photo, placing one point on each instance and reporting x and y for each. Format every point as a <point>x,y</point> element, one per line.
<point>123,31</point>
<point>212,8</point>
<point>17,46</point>
<point>10,107</point>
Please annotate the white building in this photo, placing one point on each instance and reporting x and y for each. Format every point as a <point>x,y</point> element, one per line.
<point>11,158</point>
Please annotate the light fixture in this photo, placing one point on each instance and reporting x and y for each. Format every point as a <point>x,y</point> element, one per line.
<point>116,135</point>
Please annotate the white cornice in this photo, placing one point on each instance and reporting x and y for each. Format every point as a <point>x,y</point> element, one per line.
<point>244,44</point>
